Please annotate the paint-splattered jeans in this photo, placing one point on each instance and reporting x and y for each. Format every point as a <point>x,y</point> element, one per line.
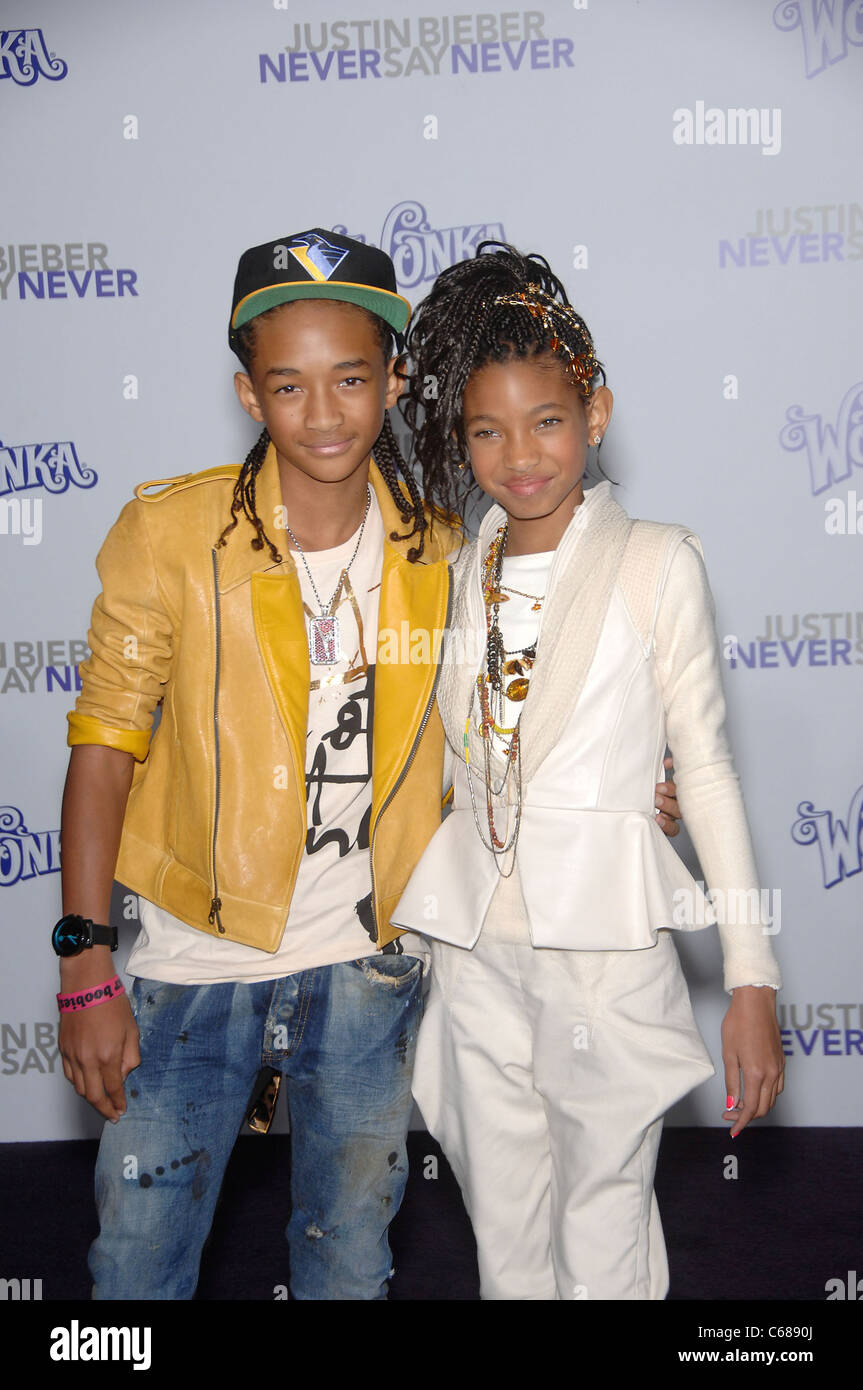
<point>343,1037</point>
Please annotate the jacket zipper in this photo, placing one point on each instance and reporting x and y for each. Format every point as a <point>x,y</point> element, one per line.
<point>404,772</point>
<point>216,904</point>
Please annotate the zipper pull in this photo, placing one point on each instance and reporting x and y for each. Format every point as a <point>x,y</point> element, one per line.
<point>215,908</point>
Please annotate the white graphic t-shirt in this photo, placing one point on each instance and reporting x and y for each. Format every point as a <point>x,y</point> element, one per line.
<point>330,917</point>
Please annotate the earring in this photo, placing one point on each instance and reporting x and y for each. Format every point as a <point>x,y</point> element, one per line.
<point>597,439</point>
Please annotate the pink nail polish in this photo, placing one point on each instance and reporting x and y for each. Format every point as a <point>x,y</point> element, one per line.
<point>729,1102</point>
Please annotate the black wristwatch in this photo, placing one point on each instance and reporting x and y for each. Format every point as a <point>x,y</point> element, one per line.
<point>73,934</point>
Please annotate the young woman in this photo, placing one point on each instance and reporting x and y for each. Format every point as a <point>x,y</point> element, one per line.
<point>559,1029</point>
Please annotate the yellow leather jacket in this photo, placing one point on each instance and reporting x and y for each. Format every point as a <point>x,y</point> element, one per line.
<point>215,825</point>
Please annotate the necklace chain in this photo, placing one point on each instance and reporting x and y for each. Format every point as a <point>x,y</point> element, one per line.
<point>489,687</point>
<point>299,548</point>
<point>538,599</point>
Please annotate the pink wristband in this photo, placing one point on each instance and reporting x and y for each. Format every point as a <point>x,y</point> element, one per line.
<point>96,994</point>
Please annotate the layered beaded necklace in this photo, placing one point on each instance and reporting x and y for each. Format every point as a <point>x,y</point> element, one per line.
<point>491,690</point>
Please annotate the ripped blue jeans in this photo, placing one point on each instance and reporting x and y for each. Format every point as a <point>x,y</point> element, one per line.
<point>343,1037</point>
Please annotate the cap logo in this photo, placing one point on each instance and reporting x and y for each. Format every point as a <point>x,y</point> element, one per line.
<point>318,257</point>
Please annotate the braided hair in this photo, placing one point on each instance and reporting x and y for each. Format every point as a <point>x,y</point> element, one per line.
<point>500,305</point>
<point>387,456</point>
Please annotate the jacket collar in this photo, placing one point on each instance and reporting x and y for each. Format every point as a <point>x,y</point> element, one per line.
<point>579,591</point>
<point>237,561</point>
<point>595,497</point>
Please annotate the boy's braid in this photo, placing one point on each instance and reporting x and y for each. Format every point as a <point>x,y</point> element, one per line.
<point>244,497</point>
<point>386,452</point>
<point>390,462</point>
<point>388,457</point>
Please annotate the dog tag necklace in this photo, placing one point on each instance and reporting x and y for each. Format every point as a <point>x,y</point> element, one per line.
<point>324,646</point>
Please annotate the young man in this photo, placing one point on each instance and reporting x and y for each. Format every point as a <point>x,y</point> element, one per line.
<point>270,823</point>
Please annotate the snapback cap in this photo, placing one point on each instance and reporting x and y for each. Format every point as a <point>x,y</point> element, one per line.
<point>317,265</point>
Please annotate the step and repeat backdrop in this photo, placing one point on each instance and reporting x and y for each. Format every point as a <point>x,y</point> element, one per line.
<point>692,170</point>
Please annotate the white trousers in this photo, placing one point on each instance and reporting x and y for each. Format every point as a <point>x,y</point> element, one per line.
<point>545,1075</point>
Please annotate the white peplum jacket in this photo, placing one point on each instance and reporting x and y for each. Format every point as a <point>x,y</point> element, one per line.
<point>627,662</point>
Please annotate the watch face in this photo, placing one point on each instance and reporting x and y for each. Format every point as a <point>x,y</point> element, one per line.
<point>68,936</point>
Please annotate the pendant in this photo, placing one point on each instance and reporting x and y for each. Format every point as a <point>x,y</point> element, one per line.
<point>519,665</point>
<point>517,689</point>
<point>324,647</point>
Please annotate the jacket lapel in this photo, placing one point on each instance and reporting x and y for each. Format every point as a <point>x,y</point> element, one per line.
<point>411,619</point>
<point>280,628</point>
<point>412,609</point>
<point>581,581</point>
<point>277,607</point>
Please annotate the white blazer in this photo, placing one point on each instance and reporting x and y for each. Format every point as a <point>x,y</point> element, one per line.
<point>596,871</point>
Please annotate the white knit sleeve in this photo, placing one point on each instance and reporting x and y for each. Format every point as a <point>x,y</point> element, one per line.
<point>689,667</point>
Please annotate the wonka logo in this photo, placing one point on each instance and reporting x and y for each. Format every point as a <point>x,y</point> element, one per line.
<point>53,466</point>
<point>832,450</point>
<point>418,250</point>
<point>839,842</point>
<point>827,27</point>
<point>24,56</point>
<point>25,853</point>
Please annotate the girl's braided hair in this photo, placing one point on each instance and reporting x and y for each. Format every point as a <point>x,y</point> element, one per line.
<point>500,305</point>
<point>387,456</point>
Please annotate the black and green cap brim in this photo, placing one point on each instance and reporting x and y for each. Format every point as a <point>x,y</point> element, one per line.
<point>317,264</point>
<point>392,308</point>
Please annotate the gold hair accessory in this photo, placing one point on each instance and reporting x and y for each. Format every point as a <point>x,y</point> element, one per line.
<point>543,306</point>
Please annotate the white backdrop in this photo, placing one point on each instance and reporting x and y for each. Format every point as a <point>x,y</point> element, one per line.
<point>690,167</point>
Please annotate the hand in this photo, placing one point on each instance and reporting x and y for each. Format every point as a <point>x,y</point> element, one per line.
<point>669,812</point>
<point>752,1052</point>
<point>99,1047</point>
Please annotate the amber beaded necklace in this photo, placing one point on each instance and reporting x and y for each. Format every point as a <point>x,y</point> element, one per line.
<point>489,688</point>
